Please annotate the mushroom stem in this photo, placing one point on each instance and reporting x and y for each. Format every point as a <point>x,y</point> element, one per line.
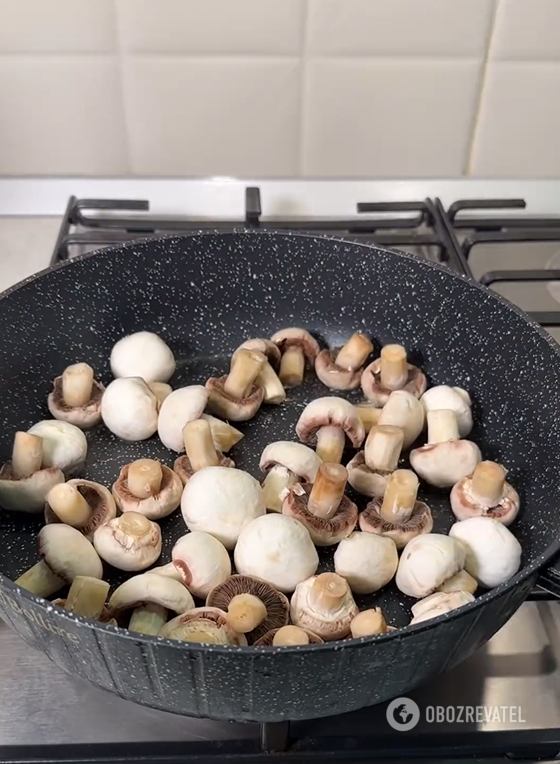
<point>87,596</point>
<point>77,384</point>
<point>330,443</point>
<point>144,478</point>
<point>202,637</point>
<point>292,367</point>
<point>245,368</point>
<point>40,580</point>
<point>224,435</point>
<point>460,582</point>
<point>161,390</point>
<point>199,445</point>
<point>368,623</point>
<point>394,367</point>
<point>383,448</point>
<point>290,635</point>
<point>69,505</point>
<point>27,455</point>
<point>369,415</point>
<point>132,524</point>
<point>148,619</point>
<point>487,483</point>
<point>245,613</point>
<point>270,382</point>
<point>400,497</point>
<point>352,355</point>
<point>278,479</point>
<point>442,426</point>
<point>327,592</point>
<point>328,490</point>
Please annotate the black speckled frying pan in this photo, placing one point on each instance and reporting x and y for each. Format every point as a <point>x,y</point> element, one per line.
<point>205,294</point>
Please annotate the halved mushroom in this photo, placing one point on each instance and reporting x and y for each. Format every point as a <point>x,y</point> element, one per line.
<point>130,409</point>
<point>150,596</point>
<point>76,397</point>
<point>161,390</point>
<point>427,562</point>
<point>83,504</point>
<point>200,451</point>
<point>460,582</point>
<point>370,469</point>
<point>288,636</point>
<point>493,554</point>
<point>236,395</point>
<point>128,542</point>
<point>399,515</point>
<point>437,604</point>
<point>142,354</point>
<point>326,512</point>
<point>65,553</point>
<point>222,501</point>
<point>454,398</point>
<point>268,378</point>
<point>369,414</point>
<point>324,605</point>
<point>391,372</point>
<point>445,459</point>
<point>24,484</point>
<point>277,549</point>
<point>87,597</point>
<point>253,606</point>
<point>367,561</point>
<point>148,487</point>
<point>298,347</point>
<point>341,368</point>
<point>64,445</point>
<point>328,422</point>
<point>179,408</point>
<point>206,625</point>
<point>405,411</point>
<point>485,493</point>
<point>285,464</point>
<point>368,623</point>
<point>201,561</point>
<point>224,435</point>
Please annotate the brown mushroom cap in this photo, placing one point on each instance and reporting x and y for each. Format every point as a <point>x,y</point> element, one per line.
<point>420,522</point>
<point>295,337</point>
<point>161,504</point>
<point>201,619</point>
<point>226,406</point>
<point>84,417</point>
<point>368,482</point>
<point>276,604</point>
<point>326,412</point>
<point>374,391</point>
<point>334,376</point>
<point>182,466</point>
<point>102,504</point>
<point>323,532</point>
<point>267,639</point>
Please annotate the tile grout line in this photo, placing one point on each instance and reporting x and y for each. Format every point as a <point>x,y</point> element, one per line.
<point>120,57</point>
<point>303,88</point>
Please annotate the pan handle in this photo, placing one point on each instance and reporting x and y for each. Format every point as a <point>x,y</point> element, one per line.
<point>549,577</point>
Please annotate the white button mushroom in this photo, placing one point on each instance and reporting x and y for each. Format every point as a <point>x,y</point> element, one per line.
<point>148,487</point>
<point>368,623</point>
<point>268,379</point>
<point>202,562</point>
<point>341,368</point>
<point>370,469</point>
<point>222,501</point>
<point>83,504</point>
<point>128,542</point>
<point>130,409</point>
<point>437,604</point>
<point>205,625</point>
<point>368,562</point>
<point>24,483</point>
<point>460,582</point>
<point>405,411</point>
<point>177,409</point>
<point>297,347</point>
<point>151,596</point>
<point>236,395</point>
<point>144,355</point>
<point>329,421</point>
<point>493,552</point>
<point>485,493</point>
<point>64,445</point>
<point>277,549</point>
<point>76,397</point>
<point>391,372</point>
<point>200,451</point>
<point>455,398</point>
<point>427,562</point>
<point>324,605</point>
<point>285,463</point>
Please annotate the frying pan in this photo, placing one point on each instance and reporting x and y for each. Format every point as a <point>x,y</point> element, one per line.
<point>205,294</point>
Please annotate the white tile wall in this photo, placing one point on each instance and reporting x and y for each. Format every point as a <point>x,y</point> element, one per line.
<point>310,88</point>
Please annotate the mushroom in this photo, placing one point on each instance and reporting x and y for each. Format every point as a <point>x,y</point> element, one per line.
<point>151,597</point>
<point>23,482</point>
<point>129,542</point>
<point>277,549</point>
<point>144,355</point>
<point>427,562</point>
<point>236,396</point>
<point>161,390</point>
<point>297,347</point>
<point>202,562</point>
<point>454,398</point>
<point>326,512</point>
<point>460,582</point>
<point>169,570</point>
<point>288,636</point>
<point>445,459</point>
<point>437,604</point>
<point>83,504</point>
<point>87,597</point>
<point>370,469</point>
<point>177,409</point>
<point>64,445</point>
<point>221,501</point>
<point>485,493</point>
<point>405,411</point>
<point>341,368</point>
<point>324,605</point>
<point>368,623</point>
<point>268,378</point>
<point>253,606</point>
<point>224,435</point>
<point>399,515</point>
<point>391,372</point>
<point>330,421</point>
<point>285,463</point>
<point>65,554</point>
<point>369,414</point>
<point>129,409</point>
<point>493,552</point>
<point>76,397</point>
<point>200,451</point>
<point>206,625</point>
<point>148,487</point>
<point>367,561</point>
